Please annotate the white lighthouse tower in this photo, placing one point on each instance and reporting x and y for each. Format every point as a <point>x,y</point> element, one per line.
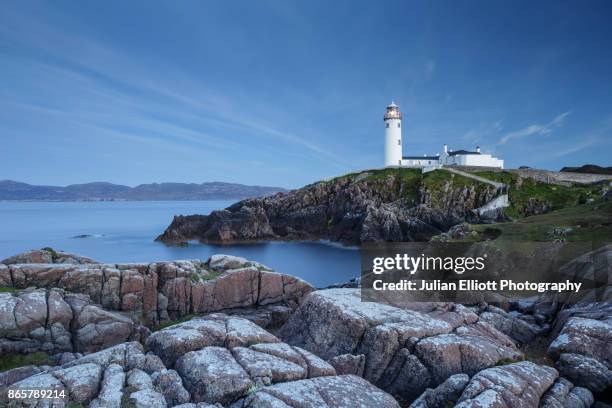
<point>393,136</point>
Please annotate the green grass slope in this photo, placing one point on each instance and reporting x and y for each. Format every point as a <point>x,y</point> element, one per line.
<point>587,222</point>
<point>524,193</point>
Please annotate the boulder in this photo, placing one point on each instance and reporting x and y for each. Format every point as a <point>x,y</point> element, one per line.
<point>99,328</point>
<point>170,384</point>
<point>6,279</point>
<point>585,371</point>
<point>346,391</point>
<point>225,262</point>
<point>152,363</point>
<point>444,395</point>
<point>111,388</point>
<point>147,399</point>
<point>265,368</point>
<point>514,385</point>
<point>126,355</point>
<point>139,380</point>
<point>348,364</point>
<point>563,394</point>
<point>513,325</point>
<point>212,375</point>
<point>54,321</point>
<point>172,342</point>
<point>11,376</point>
<point>46,256</point>
<point>41,381</point>
<point>583,350</point>
<point>82,381</point>
<point>405,351</point>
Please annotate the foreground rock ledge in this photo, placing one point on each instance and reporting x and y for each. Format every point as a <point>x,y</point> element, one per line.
<point>223,361</point>
<point>218,360</point>
<point>157,292</point>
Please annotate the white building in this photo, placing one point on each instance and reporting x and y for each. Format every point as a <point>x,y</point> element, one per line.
<point>395,158</point>
<point>393,136</point>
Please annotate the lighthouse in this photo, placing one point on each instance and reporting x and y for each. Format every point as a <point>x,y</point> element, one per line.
<point>393,136</point>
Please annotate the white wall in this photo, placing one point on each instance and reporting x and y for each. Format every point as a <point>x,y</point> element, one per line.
<point>419,162</point>
<point>483,160</point>
<point>393,142</point>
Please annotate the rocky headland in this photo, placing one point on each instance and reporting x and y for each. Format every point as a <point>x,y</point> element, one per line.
<point>388,205</point>
<point>228,332</point>
<point>379,205</point>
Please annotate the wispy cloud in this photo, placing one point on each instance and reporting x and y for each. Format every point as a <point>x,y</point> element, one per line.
<point>535,129</point>
<point>586,143</point>
<point>117,87</point>
<point>486,130</point>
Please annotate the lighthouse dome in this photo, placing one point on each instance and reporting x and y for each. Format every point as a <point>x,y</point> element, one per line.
<point>393,112</point>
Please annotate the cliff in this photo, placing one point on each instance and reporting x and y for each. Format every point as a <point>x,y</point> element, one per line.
<point>376,205</point>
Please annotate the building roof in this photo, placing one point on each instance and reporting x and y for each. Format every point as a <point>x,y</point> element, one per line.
<point>461,152</point>
<point>420,157</point>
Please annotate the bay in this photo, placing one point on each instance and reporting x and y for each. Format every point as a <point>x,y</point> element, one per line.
<point>124,231</point>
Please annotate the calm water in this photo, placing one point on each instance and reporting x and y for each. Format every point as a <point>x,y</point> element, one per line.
<point>124,232</point>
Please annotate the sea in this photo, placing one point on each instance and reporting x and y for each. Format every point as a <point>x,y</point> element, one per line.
<point>124,231</point>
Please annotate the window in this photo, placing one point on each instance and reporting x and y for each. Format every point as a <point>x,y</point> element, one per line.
<point>399,142</point>
<point>399,124</point>
<point>387,125</point>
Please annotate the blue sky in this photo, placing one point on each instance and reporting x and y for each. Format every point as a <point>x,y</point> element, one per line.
<point>287,92</point>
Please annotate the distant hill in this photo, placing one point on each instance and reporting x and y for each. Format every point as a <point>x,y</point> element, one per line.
<point>17,191</point>
<point>589,168</point>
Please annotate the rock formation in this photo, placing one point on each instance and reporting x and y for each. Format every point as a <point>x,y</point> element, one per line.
<point>405,351</point>
<point>54,321</point>
<point>205,362</point>
<point>369,206</point>
<point>47,256</point>
<point>333,350</point>
<point>158,292</point>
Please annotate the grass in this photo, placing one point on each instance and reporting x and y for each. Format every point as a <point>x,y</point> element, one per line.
<point>54,254</point>
<point>436,181</point>
<point>19,360</point>
<point>212,275</point>
<point>173,322</point>
<point>507,361</point>
<point>405,182</point>
<point>196,277</point>
<point>125,401</point>
<point>408,183</point>
<point>588,222</point>
<point>521,191</point>
<point>7,289</point>
<point>253,389</point>
<point>203,274</point>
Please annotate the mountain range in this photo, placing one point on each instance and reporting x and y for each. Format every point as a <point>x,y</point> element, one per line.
<point>99,191</point>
